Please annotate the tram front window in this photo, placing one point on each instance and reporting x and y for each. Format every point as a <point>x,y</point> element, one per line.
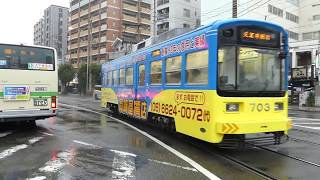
<point>254,70</point>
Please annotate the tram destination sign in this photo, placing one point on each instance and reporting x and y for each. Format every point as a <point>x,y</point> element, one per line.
<point>251,35</point>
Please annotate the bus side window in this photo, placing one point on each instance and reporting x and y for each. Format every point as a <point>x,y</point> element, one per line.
<point>197,67</point>
<point>156,73</point>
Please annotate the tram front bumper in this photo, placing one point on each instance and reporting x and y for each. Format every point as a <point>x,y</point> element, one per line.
<point>249,127</point>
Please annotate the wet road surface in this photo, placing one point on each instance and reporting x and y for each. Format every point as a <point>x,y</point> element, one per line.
<point>79,144</point>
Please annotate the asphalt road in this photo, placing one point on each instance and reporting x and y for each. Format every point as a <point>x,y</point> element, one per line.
<point>79,144</point>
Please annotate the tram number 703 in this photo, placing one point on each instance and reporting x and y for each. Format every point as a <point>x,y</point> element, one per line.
<point>260,107</point>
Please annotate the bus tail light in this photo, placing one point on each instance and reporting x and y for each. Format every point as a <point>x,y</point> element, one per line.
<point>53,102</point>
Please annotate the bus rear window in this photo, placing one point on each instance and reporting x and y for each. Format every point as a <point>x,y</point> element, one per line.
<point>26,58</point>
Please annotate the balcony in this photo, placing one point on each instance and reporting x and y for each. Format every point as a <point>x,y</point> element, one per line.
<point>95,52</point>
<point>95,7</point>
<point>74,46</point>
<point>95,18</point>
<point>83,23</point>
<point>104,4</point>
<point>83,54</point>
<point>103,16</point>
<point>145,21</point>
<point>74,56</point>
<point>74,36</point>
<point>75,26</point>
<point>160,31</point>
<point>83,43</point>
<point>95,41</point>
<point>145,10</point>
<point>130,7</point>
<point>84,33</point>
<point>103,27</point>
<point>74,17</point>
<point>130,30</point>
<point>145,32</point>
<point>95,30</point>
<point>83,13</point>
<point>103,39</point>
<point>130,18</point>
<point>103,51</point>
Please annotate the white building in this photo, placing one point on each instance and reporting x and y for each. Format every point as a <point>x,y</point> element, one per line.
<point>172,14</point>
<point>301,18</point>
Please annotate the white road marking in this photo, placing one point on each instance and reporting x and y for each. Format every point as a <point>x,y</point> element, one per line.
<point>307,123</point>
<point>308,127</point>
<point>86,144</point>
<point>8,152</point>
<point>37,178</point>
<point>173,165</point>
<point>48,134</point>
<point>194,164</point>
<point>34,140</point>
<point>5,134</point>
<point>57,164</point>
<point>123,166</point>
<point>303,119</point>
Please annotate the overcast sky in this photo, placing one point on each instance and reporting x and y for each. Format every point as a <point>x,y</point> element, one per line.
<point>17,17</point>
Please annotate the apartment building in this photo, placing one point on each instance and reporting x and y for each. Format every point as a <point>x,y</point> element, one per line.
<point>95,25</point>
<point>51,30</point>
<point>173,14</point>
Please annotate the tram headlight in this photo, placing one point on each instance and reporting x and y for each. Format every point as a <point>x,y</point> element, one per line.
<point>232,107</point>
<point>278,106</point>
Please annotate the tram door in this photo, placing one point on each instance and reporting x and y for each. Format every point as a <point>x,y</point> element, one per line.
<point>140,90</point>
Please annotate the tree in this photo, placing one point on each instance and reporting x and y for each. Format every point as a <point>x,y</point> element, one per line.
<point>66,74</point>
<point>95,71</point>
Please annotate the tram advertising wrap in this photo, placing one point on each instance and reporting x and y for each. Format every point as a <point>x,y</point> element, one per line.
<point>221,82</point>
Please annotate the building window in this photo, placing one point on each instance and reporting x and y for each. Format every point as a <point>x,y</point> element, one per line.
<point>141,75</point>
<point>173,70</point>
<point>156,72</point>
<point>122,77</point>
<point>274,10</point>
<point>129,76</point>
<point>186,12</point>
<point>186,25</point>
<point>292,17</point>
<point>197,67</point>
<point>316,17</point>
<point>293,35</point>
<point>307,36</point>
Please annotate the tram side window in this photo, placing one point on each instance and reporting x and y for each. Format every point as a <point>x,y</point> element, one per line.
<point>141,75</point>
<point>197,67</point>
<point>227,67</point>
<point>109,78</point>
<point>115,78</point>
<point>156,72</point>
<point>122,77</point>
<point>173,70</point>
<point>129,76</point>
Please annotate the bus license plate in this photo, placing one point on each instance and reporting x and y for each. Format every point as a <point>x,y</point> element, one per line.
<point>40,102</point>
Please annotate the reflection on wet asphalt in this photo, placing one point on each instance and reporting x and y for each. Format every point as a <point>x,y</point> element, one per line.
<point>82,145</point>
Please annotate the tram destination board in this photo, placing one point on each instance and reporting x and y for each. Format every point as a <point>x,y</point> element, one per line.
<point>252,35</point>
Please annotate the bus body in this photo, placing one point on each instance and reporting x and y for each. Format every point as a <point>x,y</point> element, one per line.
<point>226,79</point>
<point>28,82</point>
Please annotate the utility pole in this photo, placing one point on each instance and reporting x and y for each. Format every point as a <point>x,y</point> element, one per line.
<point>154,18</point>
<point>89,57</point>
<point>234,9</point>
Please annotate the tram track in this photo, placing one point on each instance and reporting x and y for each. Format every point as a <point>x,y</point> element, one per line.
<point>304,141</point>
<point>286,155</point>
